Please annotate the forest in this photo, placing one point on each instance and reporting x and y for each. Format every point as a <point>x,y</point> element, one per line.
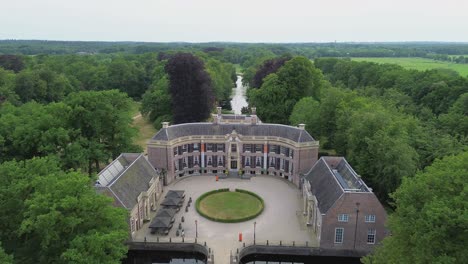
<point>66,111</point>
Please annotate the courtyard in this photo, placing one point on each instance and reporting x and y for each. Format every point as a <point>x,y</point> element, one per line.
<point>281,219</point>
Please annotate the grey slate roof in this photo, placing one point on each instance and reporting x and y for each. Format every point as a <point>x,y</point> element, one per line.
<point>330,178</point>
<point>323,185</point>
<point>210,129</point>
<point>132,180</point>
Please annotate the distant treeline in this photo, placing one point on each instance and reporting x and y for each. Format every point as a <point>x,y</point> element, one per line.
<point>241,53</point>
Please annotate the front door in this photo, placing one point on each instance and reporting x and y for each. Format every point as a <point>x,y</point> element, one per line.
<point>233,164</point>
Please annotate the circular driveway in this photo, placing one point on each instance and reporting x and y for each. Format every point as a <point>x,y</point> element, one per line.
<point>280,220</point>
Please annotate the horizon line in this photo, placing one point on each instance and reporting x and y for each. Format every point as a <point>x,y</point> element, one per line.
<point>242,42</point>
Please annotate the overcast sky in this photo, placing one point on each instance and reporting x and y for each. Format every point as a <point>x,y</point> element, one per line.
<point>238,21</point>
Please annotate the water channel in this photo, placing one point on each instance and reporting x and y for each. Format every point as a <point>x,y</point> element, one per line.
<point>238,96</point>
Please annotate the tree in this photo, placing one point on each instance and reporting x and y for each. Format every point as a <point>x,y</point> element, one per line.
<point>33,130</point>
<point>307,111</point>
<point>7,89</point>
<point>12,62</point>
<point>156,103</point>
<point>272,101</point>
<point>301,78</point>
<point>126,76</point>
<point>103,122</point>
<point>430,222</point>
<point>42,85</point>
<point>268,67</point>
<point>4,257</point>
<point>456,120</point>
<point>190,88</point>
<point>52,216</point>
<point>377,143</point>
<point>282,90</point>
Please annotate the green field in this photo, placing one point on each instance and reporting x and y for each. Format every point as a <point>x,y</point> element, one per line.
<point>420,64</point>
<point>230,205</point>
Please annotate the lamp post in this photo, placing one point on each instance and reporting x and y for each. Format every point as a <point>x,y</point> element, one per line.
<point>255,224</point>
<point>196,229</point>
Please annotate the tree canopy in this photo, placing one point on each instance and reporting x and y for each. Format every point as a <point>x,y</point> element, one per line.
<point>52,216</point>
<point>297,78</point>
<point>430,223</point>
<point>190,88</point>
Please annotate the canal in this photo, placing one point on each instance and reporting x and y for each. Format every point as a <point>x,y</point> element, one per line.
<point>238,96</point>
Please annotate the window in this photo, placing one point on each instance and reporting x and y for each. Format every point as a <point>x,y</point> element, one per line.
<point>220,147</point>
<point>343,218</point>
<point>184,148</point>
<point>258,162</point>
<point>283,150</point>
<point>247,162</point>
<point>175,151</point>
<point>247,147</point>
<point>196,147</point>
<point>272,162</point>
<point>196,161</point>
<point>370,218</point>
<point>371,236</point>
<point>273,148</point>
<point>258,148</point>
<point>220,161</point>
<point>233,147</point>
<point>209,147</point>
<point>210,161</point>
<point>339,233</point>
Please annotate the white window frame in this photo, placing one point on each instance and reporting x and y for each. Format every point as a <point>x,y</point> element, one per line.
<point>371,233</point>
<point>342,235</point>
<point>343,217</point>
<point>370,218</point>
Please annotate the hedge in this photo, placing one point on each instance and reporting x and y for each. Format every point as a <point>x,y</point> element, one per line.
<point>197,206</point>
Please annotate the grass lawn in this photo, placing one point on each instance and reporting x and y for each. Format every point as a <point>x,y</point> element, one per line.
<point>230,205</point>
<point>420,64</point>
<point>145,128</point>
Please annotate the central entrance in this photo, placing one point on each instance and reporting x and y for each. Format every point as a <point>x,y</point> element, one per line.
<point>233,164</point>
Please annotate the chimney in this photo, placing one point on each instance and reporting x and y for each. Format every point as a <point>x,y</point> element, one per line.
<point>253,110</point>
<point>218,110</point>
<point>301,126</point>
<point>165,124</point>
<point>253,119</point>
<point>215,118</point>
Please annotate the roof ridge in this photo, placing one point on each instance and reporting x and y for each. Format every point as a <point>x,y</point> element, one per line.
<point>333,174</point>
<point>116,196</point>
<point>123,172</point>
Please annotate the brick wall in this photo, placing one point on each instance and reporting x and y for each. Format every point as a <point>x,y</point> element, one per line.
<point>368,204</point>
